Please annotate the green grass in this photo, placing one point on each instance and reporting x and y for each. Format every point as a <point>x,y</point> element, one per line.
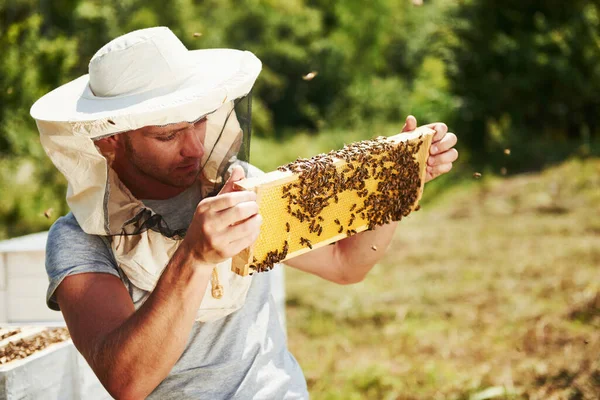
<point>492,290</point>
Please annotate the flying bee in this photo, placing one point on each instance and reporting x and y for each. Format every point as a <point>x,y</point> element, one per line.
<point>310,76</point>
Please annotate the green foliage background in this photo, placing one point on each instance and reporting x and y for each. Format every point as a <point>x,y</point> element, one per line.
<point>522,75</point>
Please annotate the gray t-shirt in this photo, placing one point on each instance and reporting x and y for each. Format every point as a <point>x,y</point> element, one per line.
<point>241,356</point>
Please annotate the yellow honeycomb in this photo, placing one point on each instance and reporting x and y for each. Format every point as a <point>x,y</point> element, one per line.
<point>337,220</point>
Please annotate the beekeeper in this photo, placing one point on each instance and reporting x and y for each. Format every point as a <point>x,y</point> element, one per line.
<point>150,142</point>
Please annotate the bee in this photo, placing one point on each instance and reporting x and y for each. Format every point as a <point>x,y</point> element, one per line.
<point>285,249</point>
<point>341,229</point>
<point>477,175</point>
<point>374,248</point>
<point>110,121</point>
<point>287,226</point>
<point>310,76</point>
<point>353,207</point>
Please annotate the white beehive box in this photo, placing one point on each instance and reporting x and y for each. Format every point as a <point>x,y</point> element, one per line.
<point>54,373</point>
<point>23,281</point>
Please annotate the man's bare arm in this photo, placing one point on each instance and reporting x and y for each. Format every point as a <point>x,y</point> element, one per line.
<point>131,351</point>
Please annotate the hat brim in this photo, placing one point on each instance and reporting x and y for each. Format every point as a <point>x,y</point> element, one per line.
<point>216,76</point>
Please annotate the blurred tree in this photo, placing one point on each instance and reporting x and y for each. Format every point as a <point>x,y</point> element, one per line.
<point>32,64</point>
<point>526,72</point>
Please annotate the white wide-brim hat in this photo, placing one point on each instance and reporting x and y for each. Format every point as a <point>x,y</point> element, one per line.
<point>148,77</point>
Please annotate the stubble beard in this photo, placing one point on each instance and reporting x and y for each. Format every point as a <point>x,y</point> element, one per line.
<point>150,169</point>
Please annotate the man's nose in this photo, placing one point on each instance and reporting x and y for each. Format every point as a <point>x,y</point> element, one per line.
<point>192,145</point>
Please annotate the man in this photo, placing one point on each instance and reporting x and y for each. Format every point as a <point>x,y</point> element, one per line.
<point>142,283</point>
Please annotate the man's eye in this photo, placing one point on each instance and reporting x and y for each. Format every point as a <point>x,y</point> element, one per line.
<point>167,138</point>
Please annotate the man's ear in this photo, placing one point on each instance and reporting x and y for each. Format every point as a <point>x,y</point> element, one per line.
<point>108,147</point>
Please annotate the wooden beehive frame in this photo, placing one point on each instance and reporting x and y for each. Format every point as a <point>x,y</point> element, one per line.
<point>274,208</point>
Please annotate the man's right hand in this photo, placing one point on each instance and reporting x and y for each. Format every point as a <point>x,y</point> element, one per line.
<point>225,224</point>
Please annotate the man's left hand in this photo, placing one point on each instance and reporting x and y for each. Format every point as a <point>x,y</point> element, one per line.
<point>441,153</point>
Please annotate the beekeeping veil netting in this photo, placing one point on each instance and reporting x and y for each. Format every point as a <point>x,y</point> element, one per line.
<point>141,240</point>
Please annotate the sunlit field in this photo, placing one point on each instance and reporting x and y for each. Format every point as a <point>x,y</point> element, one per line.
<point>492,290</point>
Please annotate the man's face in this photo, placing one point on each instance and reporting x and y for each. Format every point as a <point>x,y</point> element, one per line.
<point>170,155</point>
